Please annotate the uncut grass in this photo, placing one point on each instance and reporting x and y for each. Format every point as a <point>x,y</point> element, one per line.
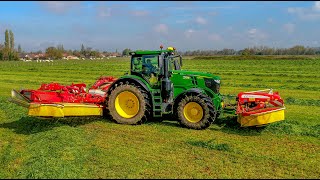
<point>93,147</point>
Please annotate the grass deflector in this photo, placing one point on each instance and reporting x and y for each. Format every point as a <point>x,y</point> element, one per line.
<point>155,87</point>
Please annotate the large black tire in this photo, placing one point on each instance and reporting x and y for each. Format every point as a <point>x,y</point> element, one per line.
<point>143,111</point>
<point>207,109</point>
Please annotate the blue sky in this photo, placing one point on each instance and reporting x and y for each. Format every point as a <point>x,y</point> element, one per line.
<point>189,25</point>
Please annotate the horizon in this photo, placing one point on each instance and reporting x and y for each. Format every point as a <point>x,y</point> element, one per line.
<point>188,26</point>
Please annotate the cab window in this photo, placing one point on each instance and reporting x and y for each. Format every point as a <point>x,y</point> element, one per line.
<point>144,63</point>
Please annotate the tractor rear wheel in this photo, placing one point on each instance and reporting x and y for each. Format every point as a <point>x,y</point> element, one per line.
<point>196,112</point>
<point>127,104</point>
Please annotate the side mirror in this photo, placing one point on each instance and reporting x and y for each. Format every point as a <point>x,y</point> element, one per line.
<point>180,61</point>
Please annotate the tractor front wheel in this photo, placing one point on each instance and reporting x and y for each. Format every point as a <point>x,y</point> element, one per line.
<point>127,104</point>
<point>196,112</point>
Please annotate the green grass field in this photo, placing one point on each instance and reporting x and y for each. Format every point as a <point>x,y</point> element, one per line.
<point>94,147</point>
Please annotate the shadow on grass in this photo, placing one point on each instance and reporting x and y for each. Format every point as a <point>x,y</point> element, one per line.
<point>230,125</point>
<point>166,121</point>
<point>31,125</point>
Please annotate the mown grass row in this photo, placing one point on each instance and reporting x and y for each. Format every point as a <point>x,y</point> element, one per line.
<point>98,148</point>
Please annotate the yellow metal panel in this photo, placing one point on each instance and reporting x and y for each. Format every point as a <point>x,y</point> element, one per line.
<point>46,110</point>
<point>261,119</point>
<point>64,109</point>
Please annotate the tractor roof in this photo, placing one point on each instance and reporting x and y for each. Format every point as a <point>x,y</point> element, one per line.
<point>147,52</point>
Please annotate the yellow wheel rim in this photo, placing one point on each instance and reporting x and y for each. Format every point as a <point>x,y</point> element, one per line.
<point>193,112</point>
<point>127,104</point>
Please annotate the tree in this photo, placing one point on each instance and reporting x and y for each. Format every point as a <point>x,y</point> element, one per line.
<point>19,49</point>
<point>53,53</point>
<point>247,52</point>
<point>11,41</point>
<point>5,52</point>
<point>125,52</point>
<point>297,50</point>
<point>60,48</point>
<point>82,51</point>
<point>95,53</point>
<point>87,51</point>
<point>6,40</point>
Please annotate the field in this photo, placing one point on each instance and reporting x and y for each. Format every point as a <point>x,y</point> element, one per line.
<point>96,147</point>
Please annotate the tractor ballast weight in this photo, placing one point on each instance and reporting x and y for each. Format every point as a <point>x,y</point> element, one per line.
<point>154,87</point>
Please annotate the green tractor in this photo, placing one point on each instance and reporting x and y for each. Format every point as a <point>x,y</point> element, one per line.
<point>156,87</point>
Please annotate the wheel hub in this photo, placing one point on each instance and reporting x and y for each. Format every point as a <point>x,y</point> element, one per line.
<point>193,112</point>
<point>127,104</point>
<point>130,103</point>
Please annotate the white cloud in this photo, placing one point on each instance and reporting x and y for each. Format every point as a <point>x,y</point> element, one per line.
<point>161,28</point>
<point>256,34</point>
<point>213,13</point>
<point>103,11</point>
<point>215,37</point>
<point>181,21</point>
<point>289,27</point>
<point>201,20</point>
<point>317,6</point>
<point>188,33</point>
<point>312,13</point>
<point>252,33</point>
<point>59,6</point>
<point>270,20</point>
<point>140,13</point>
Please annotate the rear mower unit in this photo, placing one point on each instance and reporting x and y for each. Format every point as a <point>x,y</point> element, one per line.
<point>154,88</point>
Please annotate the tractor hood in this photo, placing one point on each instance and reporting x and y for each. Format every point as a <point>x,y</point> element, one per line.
<point>196,73</point>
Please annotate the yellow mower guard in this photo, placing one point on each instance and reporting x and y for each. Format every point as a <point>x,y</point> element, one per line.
<point>261,119</point>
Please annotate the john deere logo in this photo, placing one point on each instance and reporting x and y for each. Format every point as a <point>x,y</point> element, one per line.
<point>186,77</point>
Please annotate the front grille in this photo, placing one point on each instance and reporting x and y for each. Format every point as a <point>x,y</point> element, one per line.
<point>213,85</point>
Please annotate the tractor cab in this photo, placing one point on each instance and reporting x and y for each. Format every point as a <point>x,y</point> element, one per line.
<point>150,65</point>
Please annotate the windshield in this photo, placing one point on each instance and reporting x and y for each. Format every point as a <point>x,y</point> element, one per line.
<point>144,62</point>
<point>174,64</point>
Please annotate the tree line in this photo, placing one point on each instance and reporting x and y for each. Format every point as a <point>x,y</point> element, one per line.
<point>84,52</point>
<point>257,50</point>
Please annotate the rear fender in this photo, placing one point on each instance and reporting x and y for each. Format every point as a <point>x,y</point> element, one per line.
<point>130,80</point>
<point>192,91</point>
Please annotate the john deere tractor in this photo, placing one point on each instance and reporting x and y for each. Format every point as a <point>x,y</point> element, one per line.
<point>156,87</point>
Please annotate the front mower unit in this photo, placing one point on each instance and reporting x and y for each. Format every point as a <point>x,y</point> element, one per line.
<point>258,108</point>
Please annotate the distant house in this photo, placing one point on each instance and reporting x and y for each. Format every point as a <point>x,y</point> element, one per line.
<point>23,56</point>
<point>65,56</point>
<point>114,54</point>
<point>42,56</point>
<point>72,57</point>
<point>101,55</point>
